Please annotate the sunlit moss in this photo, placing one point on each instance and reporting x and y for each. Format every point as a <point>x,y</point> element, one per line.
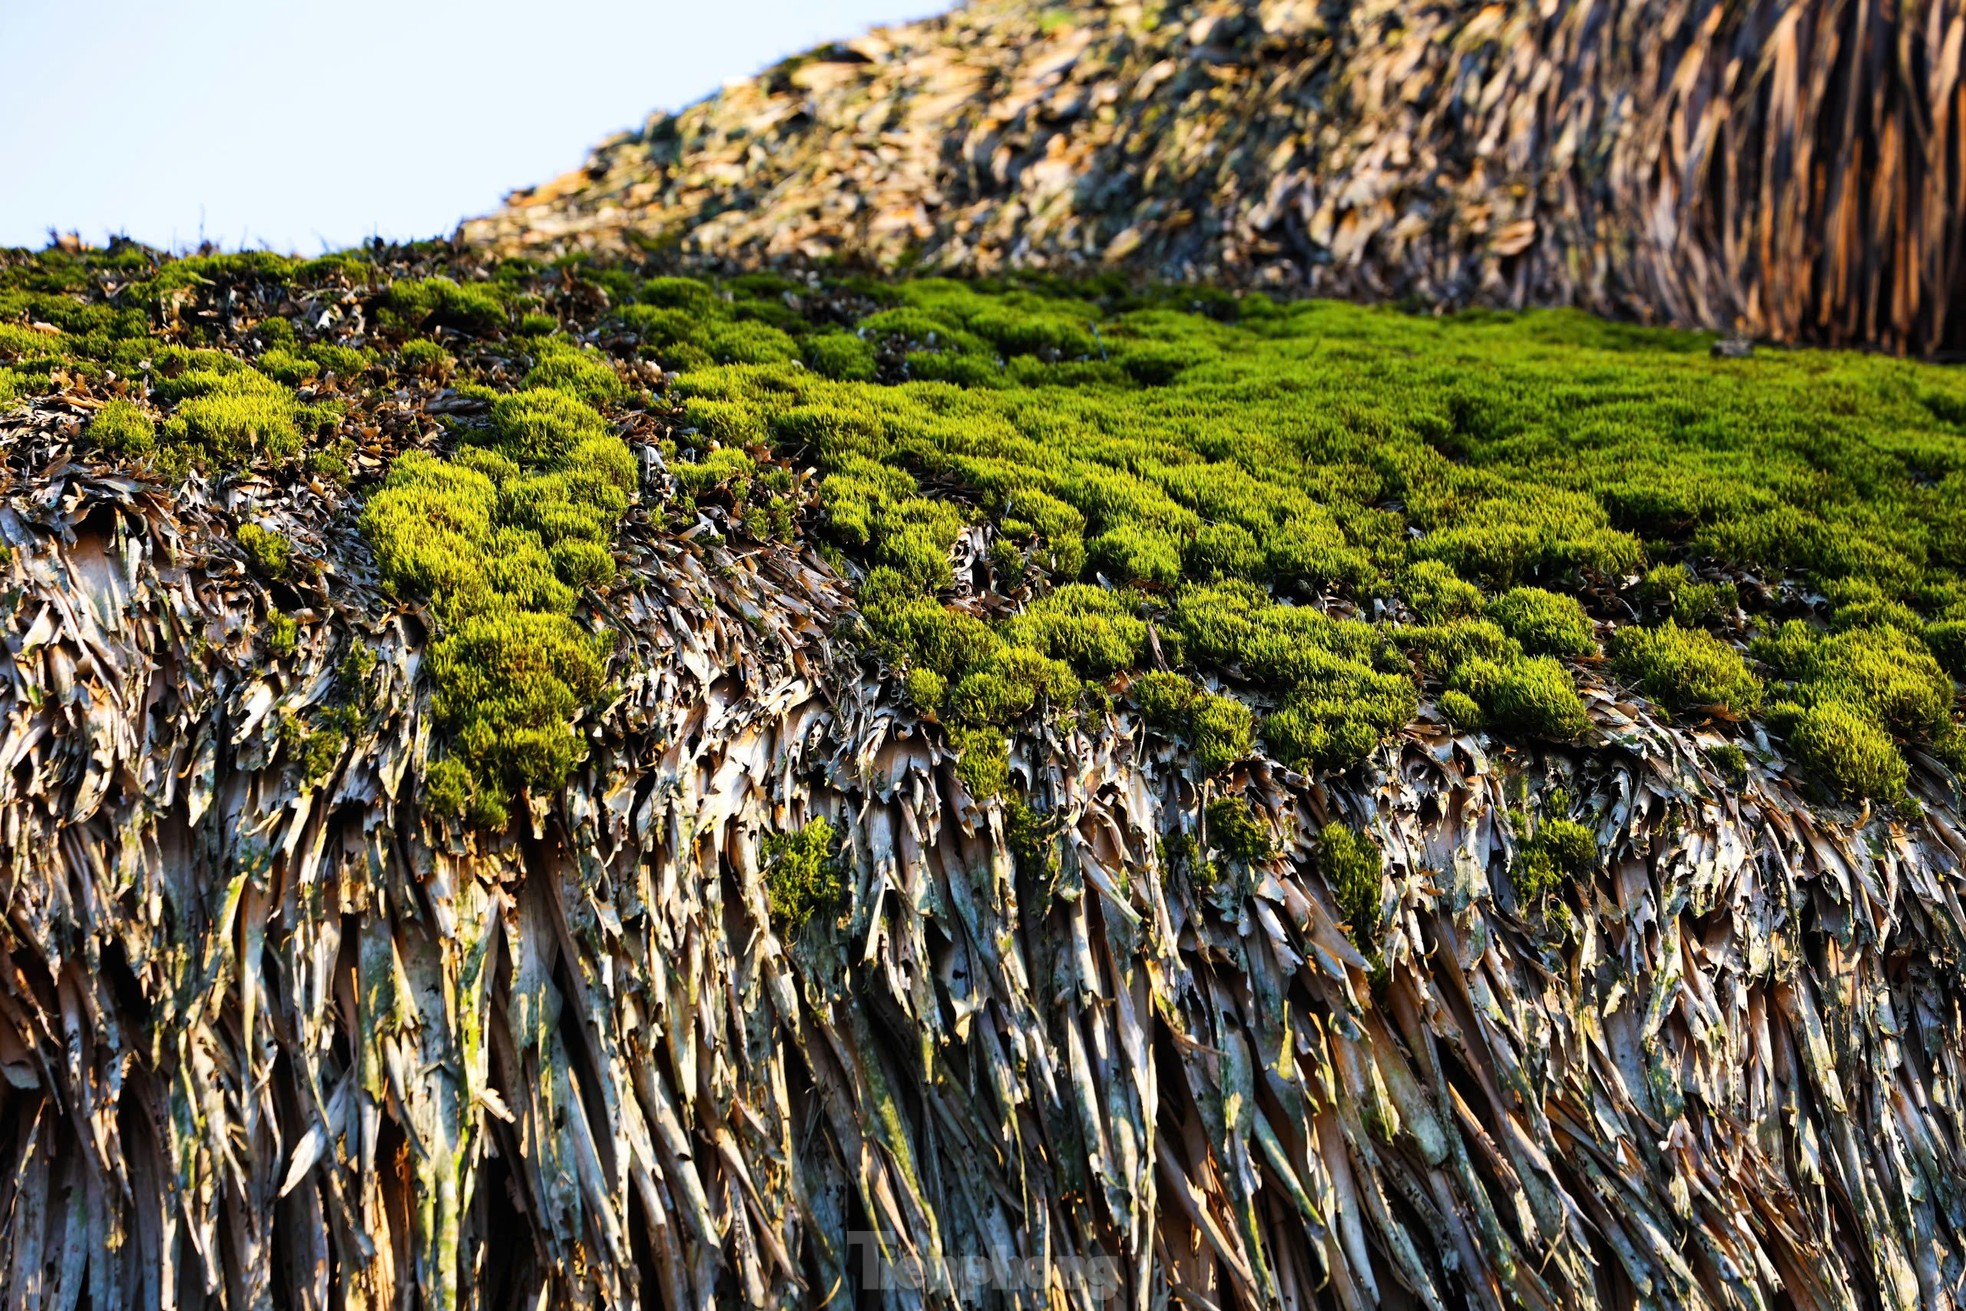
<point>231,417</point>
<point>1671,588</point>
<point>282,634</point>
<point>1459,709</point>
<point>441,301</point>
<point>1545,623</point>
<point>1033,840</point>
<point>582,373</point>
<point>1687,669</point>
<point>1220,729</point>
<point>121,428</point>
<point>271,552</point>
<point>1849,750</point>
<point>1272,494</point>
<point>1531,695</point>
<point>1437,594</point>
<point>509,687</point>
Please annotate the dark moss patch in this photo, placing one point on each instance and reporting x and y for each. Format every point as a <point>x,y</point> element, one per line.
<point>804,875</point>
<point>1354,870</point>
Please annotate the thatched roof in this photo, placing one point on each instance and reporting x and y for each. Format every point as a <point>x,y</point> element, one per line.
<point>274,1030</point>
<point>1788,171</point>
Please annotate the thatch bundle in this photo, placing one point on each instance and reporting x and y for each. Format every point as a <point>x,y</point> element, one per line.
<point>1793,171</point>
<point>274,1042</point>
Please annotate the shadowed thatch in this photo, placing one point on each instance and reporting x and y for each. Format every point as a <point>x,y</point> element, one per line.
<point>1793,171</point>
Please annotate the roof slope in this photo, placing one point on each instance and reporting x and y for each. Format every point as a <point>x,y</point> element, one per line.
<point>1693,164</point>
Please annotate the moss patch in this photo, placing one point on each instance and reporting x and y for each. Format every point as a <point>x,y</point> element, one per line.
<point>804,875</point>
<point>500,539</point>
<point>1686,669</point>
<point>1355,873</point>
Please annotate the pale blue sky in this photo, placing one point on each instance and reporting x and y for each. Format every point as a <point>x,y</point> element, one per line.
<point>301,123</point>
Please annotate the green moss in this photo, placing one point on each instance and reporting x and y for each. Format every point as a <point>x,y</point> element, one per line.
<point>926,689</point>
<point>477,308</point>
<point>1095,631</point>
<point>447,788</point>
<point>1861,603</point>
<point>1181,857</point>
<point>1033,841</point>
<point>544,426</point>
<point>1253,472</point>
<point>745,343</point>
<point>1437,595</point>
<point>430,524</point>
<point>1687,669</point>
<point>1670,589</point>
<point>1850,697</point>
<point>352,672</point>
<point>1730,762</point>
<point>1011,684</point>
<point>686,294</point>
<point>1220,729</point>
<point>287,367</point>
<point>1224,732</point>
<point>1460,709</point>
<point>1946,640</point>
<point>295,366</point>
<point>1134,553</point>
<point>508,689</point>
<point>1531,695</point>
<point>421,355</point>
<point>581,373</point>
<point>320,751</point>
<point>500,540</point>
<point>275,332</point>
<point>1236,832</point>
<point>271,552</point>
<point>1545,623</point>
<point>1222,550</point>
<point>1444,648</point>
<point>841,356</point>
<point>1885,673</point>
<point>1355,872</point>
<point>1503,538</point>
<point>282,634</point>
<point>121,428</point>
<point>1557,852</point>
<point>19,343</point>
<point>804,875</point>
<point>1341,687</point>
<point>1849,750</point>
<point>1165,699</point>
<point>229,418</point>
<point>982,760</point>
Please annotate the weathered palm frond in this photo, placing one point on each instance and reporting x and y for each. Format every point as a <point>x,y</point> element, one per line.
<point>272,1043</point>
<point>1789,170</point>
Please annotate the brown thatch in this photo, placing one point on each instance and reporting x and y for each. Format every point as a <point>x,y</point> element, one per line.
<point>268,1040</point>
<point>1793,171</point>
